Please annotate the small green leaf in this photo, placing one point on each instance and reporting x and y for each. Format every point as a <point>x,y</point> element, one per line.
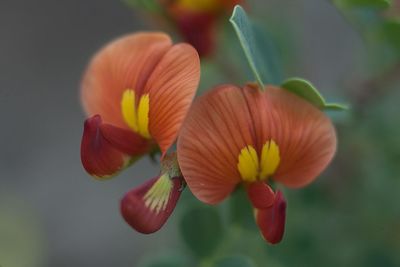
<point>380,4</point>
<point>271,65</point>
<point>235,261</point>
<point>244,31</point>
<point>202,230</point>
<point>306,90</point>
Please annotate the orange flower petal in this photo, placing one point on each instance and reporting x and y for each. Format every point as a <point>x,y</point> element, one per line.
<point>271,221</point>
<point>305,135</point>
<point>171,88</point>
<point>125,63</point>
<point>147,207</point>
<point>212,136</point>
<point>260,195</point>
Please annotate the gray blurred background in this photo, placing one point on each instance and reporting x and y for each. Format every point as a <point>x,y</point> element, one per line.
<point>51,212</point>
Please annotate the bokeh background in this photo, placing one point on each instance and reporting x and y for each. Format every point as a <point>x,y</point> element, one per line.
<point>53,214</point>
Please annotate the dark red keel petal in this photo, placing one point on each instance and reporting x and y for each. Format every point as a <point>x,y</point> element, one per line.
<point>260,195</point>
<point>99,157</point>
<point>147,207</point>
<point>271,221</point>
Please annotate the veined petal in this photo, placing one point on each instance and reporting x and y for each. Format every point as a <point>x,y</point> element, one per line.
<point>216,129</point>
<point>271,221</point>
<point>147,207</point>
<point>260,195</point>
<point>171,89</point>
<point>305,135</point>
<point>125,63</point>
<point>99,157</point>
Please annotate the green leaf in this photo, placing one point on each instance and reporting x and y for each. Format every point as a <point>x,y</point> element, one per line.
<point>272,61</point>
<point>202,230</point>
<point>244,31</point>
<point>306,90</point>
<point>380,4</point>
<point>235,261</point>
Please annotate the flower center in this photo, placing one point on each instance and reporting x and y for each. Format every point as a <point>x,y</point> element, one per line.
<point>136,116</point>
<point>254,168</point>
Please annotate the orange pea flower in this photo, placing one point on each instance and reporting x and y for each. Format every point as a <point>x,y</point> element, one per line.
<point>136,91</point>
<point>244,136</point>
<point>197,20</point>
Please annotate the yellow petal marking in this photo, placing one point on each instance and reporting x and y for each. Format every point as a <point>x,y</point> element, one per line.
<point>156,199</point>
<point>137,118</point>
<point>143,115</point>
<point>248,164</point>
<point>129,109</point>
<point>252,167</point>
<point>270,159</point>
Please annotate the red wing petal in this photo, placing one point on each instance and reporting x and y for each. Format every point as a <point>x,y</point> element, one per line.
<point>171,88</point>
<point>99,157</point>
<point>124,140</point>
<point>147,207</point>
<point>271,221</point>
<point>216,129</point>
<point>125,63</point>
<point>260,195</point>
<point>305,135</point>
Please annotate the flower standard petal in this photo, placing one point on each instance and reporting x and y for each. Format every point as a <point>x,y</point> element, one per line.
<point>171,88</point>
<point>147,207</point>
<point>216,129</point>
<point>305,135</point>
<point>125,63</point>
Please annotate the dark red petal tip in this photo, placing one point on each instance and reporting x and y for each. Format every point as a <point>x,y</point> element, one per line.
<point>147,207</point>
<point>260,195</point>
<point>99,157</point>
<point>271,221</point>
<point>198,29</point>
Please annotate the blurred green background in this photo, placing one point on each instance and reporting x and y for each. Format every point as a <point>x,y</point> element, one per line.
<point>53,214</point>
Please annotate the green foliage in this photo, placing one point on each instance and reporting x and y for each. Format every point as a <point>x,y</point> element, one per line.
<point>241,211</point>
<point>244,31</point>
<point>169,259</point>
<point>364,3</point>
<point>202,230</point>
<point>234,261</point>
<point>391,33</point>
<point>307,91</point>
